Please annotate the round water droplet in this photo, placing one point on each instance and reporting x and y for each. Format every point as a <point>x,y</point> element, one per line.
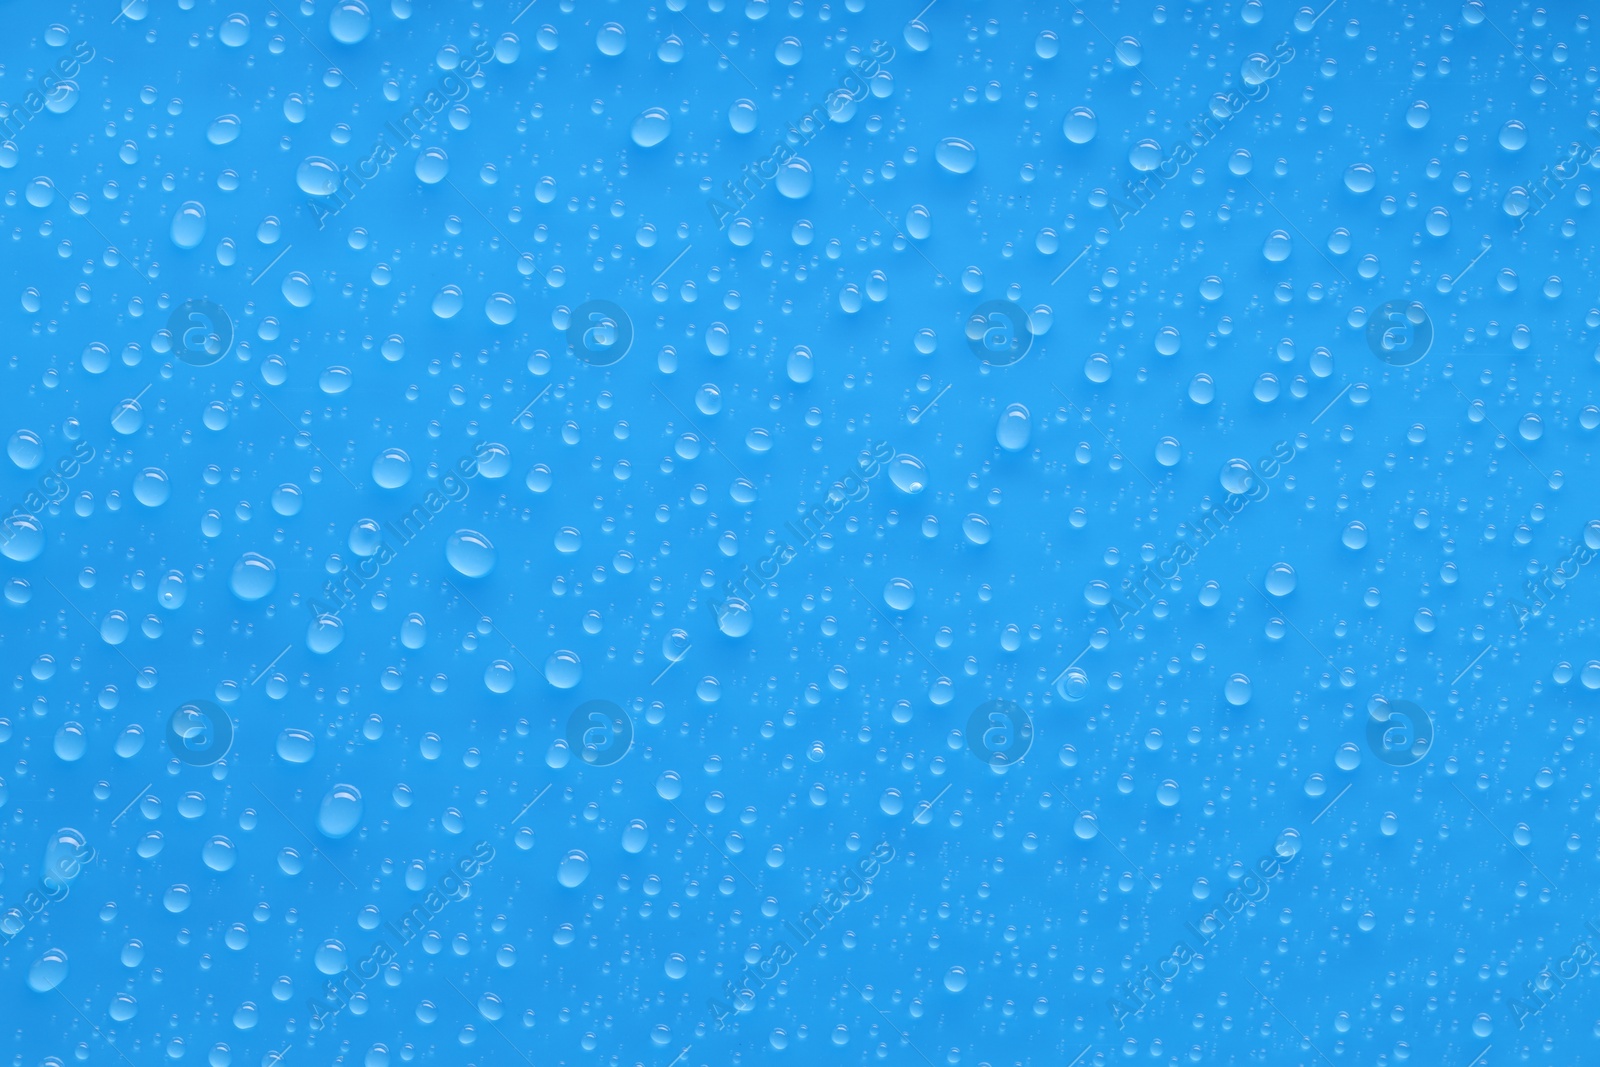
<point>447,302</point>
<point>651,127</point>
<point>21,538</point>
<point>70,742</point>
<point>735,617</point>
<point>1145,155</point>
<point>563,669</point>
<point>41,192</point>
<point>296,746</point>
<point>955,155</point>
<point>794,179</point>
<point>151,487</point>
<point>500,676</point>
<point>1014,429</point>
<point>612,40</point>
<point>349,22</point>
<point>742,116</point>
<point>1280,579</point>
<point>297,289</point>
<point>324,634</point>
<point>340,812</point>
<point>470,553</point>
<point>1080,125</point>
<point>317,176</point>
<point>432,165</point>
<point>1237,476</point>
<point>254,576</point>
<point>48,971</point>
<point>235,31</point>
<point>955,979</point>
<point>573,870</point>
<point>899,594</point>
<point>189,224</point>
<point>1237,690</point>
<point>219,854</point>
<point>25,449</point>
<point>392,468</point>
<point>501,308</point>
<point>908,474</point>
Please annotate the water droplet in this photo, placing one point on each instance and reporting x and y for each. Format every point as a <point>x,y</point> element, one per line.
<point>1237,476</point>
<point>189,224</point>
<point>25,449</point>
<point>908,474</point>
<point>1237,690</point>
<point>470,553</point>
<point>151,487</point>
<point>1280,579</point>
<point>563,669</point>
<point>340,812</point>
<point>254,576</point>
<point>48,971</point>
<point>742,116</point>
<point>573,870</point>
<point>1014,429</point>
<point>392,468</point>
<point>1080,125</point>
<point>432,166</point>
<point>612,40</point>
<point>219,854</point>
<point>296,746</point>
<point>349,22</point>
<point>651,127</point>
<point>955,155</point>
<point>317,176</point>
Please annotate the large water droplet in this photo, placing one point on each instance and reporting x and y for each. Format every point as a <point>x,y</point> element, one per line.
<point>253,577</point>
<point>651,127</point>
<point>340,812</point>
<point>349,22</point>
<point>908,474</point>
<point>189,224</point>
<point>48,971</point>
<point>470,553</point>
<point>573,870</point>
<point>1080,125</point>
<point>317,176</point>
<point>563,669</point>
<point>1014,429</point>
<point>955,155</point>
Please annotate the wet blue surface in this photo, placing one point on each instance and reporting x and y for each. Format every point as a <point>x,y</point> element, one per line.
<point>740,532</point>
